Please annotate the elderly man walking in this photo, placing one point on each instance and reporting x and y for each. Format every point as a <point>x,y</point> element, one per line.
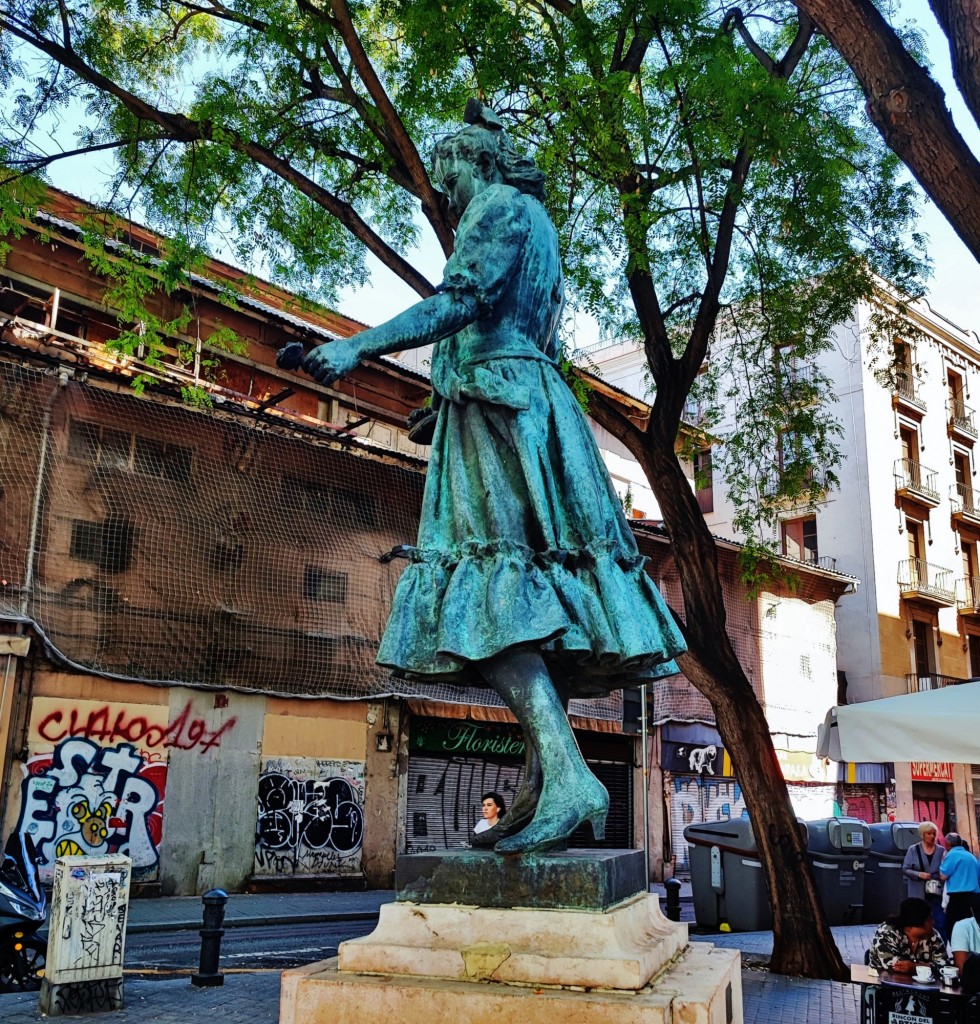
<point>961,872</point>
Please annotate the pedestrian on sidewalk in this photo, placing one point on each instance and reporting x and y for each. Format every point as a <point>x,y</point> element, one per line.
<point>961,872</point>
<point>921,868</point>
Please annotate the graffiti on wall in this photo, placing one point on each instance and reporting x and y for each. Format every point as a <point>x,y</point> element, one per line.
<point>85,799</point>
<point>96,776</point>
<point>860,806</point>
<point>112,723</point>
<point>695,799</point>
<point>310,817</point>
<point>930,810</point>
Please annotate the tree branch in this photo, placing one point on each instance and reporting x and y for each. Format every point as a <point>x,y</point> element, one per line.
<point>960,22</point>
<point>34,164</point>
<point>907,107</point>
<point>432,204</point>
<point>181,128</point>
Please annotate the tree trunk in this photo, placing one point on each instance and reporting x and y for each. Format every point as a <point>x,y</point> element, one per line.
<point>802,942</point>
<point>960,20</point>
<point>908,108</point>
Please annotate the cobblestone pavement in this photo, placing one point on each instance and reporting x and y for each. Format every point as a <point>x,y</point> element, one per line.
<point>253,998</point>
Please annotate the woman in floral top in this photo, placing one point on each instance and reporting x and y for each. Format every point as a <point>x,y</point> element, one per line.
<point>908,939</point>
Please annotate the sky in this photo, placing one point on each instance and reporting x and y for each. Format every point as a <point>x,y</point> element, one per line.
<point>953,290</point>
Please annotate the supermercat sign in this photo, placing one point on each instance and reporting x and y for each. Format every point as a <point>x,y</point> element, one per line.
<point>932,771</point>
<point>439,736</point>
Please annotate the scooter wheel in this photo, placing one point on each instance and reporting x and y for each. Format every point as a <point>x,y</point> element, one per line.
<point>22,969</point>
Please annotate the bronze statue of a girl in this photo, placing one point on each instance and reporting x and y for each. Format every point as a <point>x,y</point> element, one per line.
<point>525,576</point>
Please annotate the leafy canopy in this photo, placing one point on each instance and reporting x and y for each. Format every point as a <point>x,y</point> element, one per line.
<point>698,161</point>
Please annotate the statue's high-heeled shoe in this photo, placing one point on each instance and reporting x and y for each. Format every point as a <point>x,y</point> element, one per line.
<point>556,819</point>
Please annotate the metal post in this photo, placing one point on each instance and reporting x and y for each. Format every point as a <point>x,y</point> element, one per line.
<point>644,761</point>
<point>208,976</point>
<point>673,907</point>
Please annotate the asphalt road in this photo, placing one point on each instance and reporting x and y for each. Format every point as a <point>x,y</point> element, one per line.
<point>271,948</point>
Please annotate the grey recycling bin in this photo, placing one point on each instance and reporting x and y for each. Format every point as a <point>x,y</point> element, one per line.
<point>727,881</point>
<point>838,849</point>
<point>884,883</point>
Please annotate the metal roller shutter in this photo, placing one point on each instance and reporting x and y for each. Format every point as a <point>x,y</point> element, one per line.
<point>443,801</point>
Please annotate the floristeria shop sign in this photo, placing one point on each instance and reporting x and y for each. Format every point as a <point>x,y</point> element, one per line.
<point>451,736</point>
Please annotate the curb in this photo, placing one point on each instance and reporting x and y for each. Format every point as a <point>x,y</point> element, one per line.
<point>259,921</point>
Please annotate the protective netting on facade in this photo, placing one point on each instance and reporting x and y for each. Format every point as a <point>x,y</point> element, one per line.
<point>152,542</point>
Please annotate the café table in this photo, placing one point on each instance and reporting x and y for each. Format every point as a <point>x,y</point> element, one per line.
<point>888,997</point>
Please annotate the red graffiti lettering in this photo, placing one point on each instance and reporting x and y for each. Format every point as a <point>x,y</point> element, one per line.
<point>185,732</point>
<point>54,718</point>
<point>214,740</point>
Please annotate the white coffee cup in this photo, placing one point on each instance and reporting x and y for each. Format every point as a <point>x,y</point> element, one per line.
<point>949,974</point>
<point>923,973</point>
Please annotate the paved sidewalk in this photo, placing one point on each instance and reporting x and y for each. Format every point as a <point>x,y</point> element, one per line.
<point>253,997</point>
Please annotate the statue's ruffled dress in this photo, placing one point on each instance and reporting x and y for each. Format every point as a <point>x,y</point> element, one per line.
<point>522,541</point>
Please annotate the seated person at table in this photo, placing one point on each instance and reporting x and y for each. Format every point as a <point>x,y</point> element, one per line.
<point>966,934</point>
<point>908,939</point>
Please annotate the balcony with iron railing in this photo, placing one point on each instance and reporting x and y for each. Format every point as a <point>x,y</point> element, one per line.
<point>916,481</point>
<point>917,682</point>
<point>695,412</point>
<point>907,390</point>
<point>926,582</point>
<point>968,595</point>
<point>818,561</point>
<point>963,504</point>
<point>961,419</point>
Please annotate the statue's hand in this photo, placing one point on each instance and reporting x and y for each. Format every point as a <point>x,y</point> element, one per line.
<point>325,363</point>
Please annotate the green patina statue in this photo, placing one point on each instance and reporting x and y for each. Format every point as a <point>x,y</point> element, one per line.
<point>525,577</point>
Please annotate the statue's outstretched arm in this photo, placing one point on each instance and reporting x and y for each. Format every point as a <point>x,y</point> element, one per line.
<point>422,324</point>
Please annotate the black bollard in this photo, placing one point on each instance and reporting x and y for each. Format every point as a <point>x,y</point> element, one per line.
<point>673,907</point>
<point>208,976</point>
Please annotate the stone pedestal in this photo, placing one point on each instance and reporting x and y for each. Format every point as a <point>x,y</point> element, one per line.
<point>573,880</point>
<point>703,986</point>
<point>622,948</point>
<point>618,960</point>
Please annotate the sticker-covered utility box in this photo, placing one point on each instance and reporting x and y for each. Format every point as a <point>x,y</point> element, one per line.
<point>86,935</point>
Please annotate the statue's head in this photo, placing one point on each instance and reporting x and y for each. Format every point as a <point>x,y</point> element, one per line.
<point>482,152</point>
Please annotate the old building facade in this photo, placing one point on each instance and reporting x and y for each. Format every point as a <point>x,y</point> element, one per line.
<point>904,520</point>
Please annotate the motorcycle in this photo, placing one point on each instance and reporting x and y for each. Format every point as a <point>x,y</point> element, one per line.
<point>23,906</point>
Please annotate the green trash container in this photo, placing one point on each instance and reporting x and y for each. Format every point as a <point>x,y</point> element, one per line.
<point>728,884</point>
<point>838,850</point>
<point>884,883</point>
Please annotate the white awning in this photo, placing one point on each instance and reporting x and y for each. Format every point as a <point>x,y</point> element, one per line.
<point>935,725</point>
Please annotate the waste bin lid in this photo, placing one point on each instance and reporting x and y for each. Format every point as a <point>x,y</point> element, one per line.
<point>730,834</point>
<point>851,834</point>
<point>893,837</point>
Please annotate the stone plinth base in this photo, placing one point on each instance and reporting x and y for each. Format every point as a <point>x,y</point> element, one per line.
<point>702,986</point>
<point>573,880</point>
<point>622,948</point>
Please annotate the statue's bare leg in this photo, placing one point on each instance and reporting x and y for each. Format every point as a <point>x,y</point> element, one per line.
<point>570,793</point>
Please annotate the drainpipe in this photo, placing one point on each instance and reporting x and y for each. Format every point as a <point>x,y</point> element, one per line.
<point>42,473</point>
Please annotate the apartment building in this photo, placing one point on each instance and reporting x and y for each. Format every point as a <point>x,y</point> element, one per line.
<point>904,520</point>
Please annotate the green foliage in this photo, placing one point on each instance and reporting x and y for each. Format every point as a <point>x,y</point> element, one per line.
<point>680,166</point>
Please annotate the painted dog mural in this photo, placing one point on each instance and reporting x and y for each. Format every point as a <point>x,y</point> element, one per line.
<point>87,799</point>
